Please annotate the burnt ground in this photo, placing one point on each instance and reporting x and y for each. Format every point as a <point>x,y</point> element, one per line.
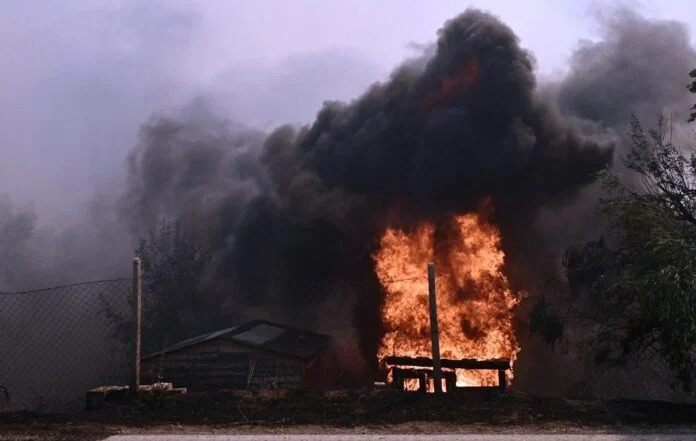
<point>355,408</point>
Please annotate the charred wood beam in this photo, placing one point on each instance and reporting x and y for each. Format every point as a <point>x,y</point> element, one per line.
<point>466,363</point>
<point>399,375</point>
<point>411,373</point>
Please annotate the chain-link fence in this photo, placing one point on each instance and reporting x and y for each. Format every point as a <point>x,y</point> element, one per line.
<point>57,343</point>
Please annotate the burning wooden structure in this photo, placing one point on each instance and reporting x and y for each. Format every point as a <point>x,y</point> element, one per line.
<point>417,373</point>
<point>468,308</point>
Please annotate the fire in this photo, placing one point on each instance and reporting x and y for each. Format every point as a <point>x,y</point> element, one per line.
<point>411,384</point>
<point>474,301</point>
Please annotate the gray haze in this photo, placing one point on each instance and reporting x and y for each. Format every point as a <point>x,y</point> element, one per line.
<point>78,82</point>
<point>117,117</point>
<point>78,79</point>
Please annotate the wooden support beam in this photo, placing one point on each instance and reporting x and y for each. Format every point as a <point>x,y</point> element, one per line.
<point>502,380</point>
<point>422,382</point>
<point>451,381</point>
<point>434,331</point>
<point>466,363</point>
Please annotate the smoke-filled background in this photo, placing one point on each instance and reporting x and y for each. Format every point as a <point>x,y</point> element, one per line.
<point>288,154</point>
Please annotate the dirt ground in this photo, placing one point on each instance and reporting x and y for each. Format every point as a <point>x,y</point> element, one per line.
<point>348,411</point>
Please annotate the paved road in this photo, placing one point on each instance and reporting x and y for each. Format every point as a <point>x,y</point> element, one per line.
<point>477,437</point>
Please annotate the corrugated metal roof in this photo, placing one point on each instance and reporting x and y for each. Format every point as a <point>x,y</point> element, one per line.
<point>260,334</point>
<point>198,339</point>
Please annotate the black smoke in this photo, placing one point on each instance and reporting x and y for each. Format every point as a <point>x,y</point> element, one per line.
<point>639,67</point>
<point>293,217</point>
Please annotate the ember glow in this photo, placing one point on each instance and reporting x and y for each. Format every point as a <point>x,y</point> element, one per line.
<point>474,301</point>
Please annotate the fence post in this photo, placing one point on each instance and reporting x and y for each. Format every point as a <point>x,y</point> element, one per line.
<point>137,315</point>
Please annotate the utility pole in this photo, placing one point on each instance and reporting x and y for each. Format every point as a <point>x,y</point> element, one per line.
<point>137,315</point>
<point>434,331</point>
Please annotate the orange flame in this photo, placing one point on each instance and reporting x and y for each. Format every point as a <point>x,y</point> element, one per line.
<point>474,301</point>
<point>411,384</point>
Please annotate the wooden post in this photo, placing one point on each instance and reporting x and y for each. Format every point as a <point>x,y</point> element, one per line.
<point>451,382</point>
<point>423,383</point>
<point>434,331</point>
<point>397,378</point>
<point>501,380</point>
<point>137,315</point>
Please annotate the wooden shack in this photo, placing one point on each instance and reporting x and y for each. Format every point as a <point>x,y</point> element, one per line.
<point>254,354</point>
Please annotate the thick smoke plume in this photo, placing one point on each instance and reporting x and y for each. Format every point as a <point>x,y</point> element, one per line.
<point>292,217</point>
<point>638,67</point>
<point>295,220</point>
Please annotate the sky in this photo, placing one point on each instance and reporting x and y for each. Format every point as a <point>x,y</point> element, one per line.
<point>78,77</point>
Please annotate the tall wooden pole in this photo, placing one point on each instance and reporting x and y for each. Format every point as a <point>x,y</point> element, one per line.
<point>137,315</point>
<point>434,331</point>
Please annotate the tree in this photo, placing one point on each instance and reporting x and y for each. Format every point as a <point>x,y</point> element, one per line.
<point>642,276</point>
<point>173,265</point>
<point>635,287</point>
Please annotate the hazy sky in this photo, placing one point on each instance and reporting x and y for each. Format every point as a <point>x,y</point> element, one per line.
<point>78,77</point>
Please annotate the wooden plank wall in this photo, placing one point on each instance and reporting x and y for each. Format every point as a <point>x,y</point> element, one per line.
<point>219,365</point>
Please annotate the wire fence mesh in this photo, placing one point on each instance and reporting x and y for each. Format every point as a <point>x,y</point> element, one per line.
<point>57,343</point>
